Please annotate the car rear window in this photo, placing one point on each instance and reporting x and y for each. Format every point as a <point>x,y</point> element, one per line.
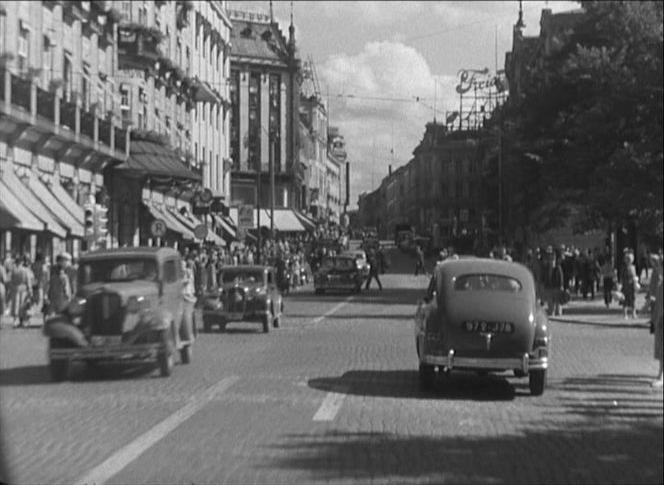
<point>487,282</point>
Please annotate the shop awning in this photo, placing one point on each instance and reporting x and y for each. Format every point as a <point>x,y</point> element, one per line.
<point>284,220</point>
<point>58,209</point>
<point>13,214</point>
<point>309,224</point>
<point>36,206</point>
<point>68,202</point>
<point>226,226</point>
<point>191,221</point>
<point>172,223</point>
<point>150,158</point>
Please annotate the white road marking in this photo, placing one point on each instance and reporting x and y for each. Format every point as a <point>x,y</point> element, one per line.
<point>124,456</point>
<point>332,310</point>
<point>331,405</point>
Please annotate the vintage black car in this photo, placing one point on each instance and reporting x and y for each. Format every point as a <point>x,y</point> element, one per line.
<point>247,293</point>
<point>129,309</point>
<point>338,273</point>
<point>482,315</point>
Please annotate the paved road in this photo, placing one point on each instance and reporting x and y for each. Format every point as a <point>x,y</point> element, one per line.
<point>332,397</point>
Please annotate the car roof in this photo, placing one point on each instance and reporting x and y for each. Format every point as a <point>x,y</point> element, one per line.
<point>130,252</point>
<point>467,265</point>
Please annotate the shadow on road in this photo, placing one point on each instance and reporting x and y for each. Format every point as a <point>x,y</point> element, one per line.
<point>373,296</point>
<point>573,321</point>
<point>572,453</point>
<point>79,372</point>
<point>405,384</point>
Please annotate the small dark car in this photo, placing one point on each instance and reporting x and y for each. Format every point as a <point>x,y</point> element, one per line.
<point>129,309</point>
<point>482,315</point>
<point>338,273</point>
<point>247,293</point>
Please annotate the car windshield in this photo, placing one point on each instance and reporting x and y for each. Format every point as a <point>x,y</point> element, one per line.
<point>338,263</point>
<point>108,270</point>
<point>487,282</point>
<point>241,275</point>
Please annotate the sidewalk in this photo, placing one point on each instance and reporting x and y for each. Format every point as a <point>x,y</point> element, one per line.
<point>594,311</point>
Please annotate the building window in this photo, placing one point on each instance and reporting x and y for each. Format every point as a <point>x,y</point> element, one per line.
<point>23,47</point>
<point>254,140</point>
<point>3,31</point>
<point>67,77</point>
<point>234,116</point>
<point>85,92</point>
<point>143,15</point>
<point>275,118</point>
<point>124,97</point>
<point>178,51</point>
<point>47,59</point>
<point>203,110</point>
<point>188,60</point>
<point>126,10</point>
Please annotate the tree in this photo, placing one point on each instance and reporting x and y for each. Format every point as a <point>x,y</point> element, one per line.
<point>591,116</point>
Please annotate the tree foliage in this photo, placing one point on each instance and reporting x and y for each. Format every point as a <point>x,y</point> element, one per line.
<point>591,116</point>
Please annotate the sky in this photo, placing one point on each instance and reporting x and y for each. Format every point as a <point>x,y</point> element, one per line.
<point>396,51</point>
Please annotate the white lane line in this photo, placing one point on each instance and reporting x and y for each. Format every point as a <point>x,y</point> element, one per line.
<point>124,456</point>
<point>332,310</point>
<point>331,405</point>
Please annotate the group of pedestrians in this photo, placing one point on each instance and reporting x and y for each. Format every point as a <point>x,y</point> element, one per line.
<point>30,286</point>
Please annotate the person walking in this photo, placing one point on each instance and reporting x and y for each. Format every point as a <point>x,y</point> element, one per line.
<point>40,271</point>
<point>3,291</point>
<point>59,286</point>
<point>553,283</point>
<point>419,260</point>
<point>375,268</point>
<point>658,323</point>
<point>608,275</point>
<point>22,282</point>
<point>629,281</point>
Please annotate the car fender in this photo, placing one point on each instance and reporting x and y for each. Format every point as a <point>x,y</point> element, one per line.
<point>60,327</point>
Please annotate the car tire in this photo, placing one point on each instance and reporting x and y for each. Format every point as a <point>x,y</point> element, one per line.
<point>537,382</point>
<point>186,354</point>
<point>165,360</point>
<point>266,323</point>
<point>276,322</point>
<point>427,377</point>
<point>59,369</point>
<point>207,326</point>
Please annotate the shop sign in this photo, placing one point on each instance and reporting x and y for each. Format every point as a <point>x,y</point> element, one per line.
<point>201,231</point>
<point>245,216</point>
<point>480,80</point>
<point>158,228</point>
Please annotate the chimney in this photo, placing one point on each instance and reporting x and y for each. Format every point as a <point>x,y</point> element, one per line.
<point>389,170</point>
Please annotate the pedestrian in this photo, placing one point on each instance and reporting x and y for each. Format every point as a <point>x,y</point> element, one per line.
<point>553,283</point>
<point>3,291</point>
<point>189,294</point>
<point>658,324</point>
<point>22,282</point>
<point>374,269</point>
<point>40,270</point>
<point>419,260</point>
<point>608,274</point>
<point>629,282</point>
<point>588,275</point>
<point>59,286</point>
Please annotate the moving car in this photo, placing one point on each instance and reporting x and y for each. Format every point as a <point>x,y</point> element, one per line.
<point>482,315</point>
<point>338,273</point>
<point>246,293</point>
<point>360,257</point>
<point>129,309</point>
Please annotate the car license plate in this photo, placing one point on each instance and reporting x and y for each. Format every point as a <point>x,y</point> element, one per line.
<point>100,340</point>
<point>481,326</point>
<point>234,316</point>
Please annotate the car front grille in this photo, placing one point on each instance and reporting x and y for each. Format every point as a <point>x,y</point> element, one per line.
<point>104,314</point>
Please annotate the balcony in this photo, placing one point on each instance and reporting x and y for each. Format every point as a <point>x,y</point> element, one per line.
<point>138,46</point>
<point>42,121</point>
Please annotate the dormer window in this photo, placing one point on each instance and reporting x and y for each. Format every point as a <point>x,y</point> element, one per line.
<point>246,32</point>
<point>267,35</point>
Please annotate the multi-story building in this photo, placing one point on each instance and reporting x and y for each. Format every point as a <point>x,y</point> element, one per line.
<point>173,63</point>
<point>59,121</point>
<point>313,154</point>
<point>336,167</point>
<point>265,93</point>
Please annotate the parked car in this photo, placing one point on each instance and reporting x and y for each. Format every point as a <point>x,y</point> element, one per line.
<point>360,257</point>
<point>128,309</point>
<point>482,314</point>
<point>246,293</point>
<point>338,273</point>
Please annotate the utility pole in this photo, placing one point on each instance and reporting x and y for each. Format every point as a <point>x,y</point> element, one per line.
<point>258,210</point>
<point>271,168</point>
<point>500,176</point>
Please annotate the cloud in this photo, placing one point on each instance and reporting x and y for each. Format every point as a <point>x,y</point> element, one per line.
<point>374,101</point>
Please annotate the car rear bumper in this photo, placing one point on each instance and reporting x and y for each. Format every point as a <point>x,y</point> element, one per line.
<point>451,361</point>
<point>124,353</point>
<point>225,316</point>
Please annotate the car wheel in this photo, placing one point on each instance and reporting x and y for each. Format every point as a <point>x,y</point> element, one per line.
<point>222,327</point>
<point>357,289</point>
<point>207,326</point>
<point>59,369</point>
<point>519,373</point>
<point>537,382</point>
<point>186,354</point>
<point>166,363</point>
<point>266,323</point>
<point>427,377</point>
<point>276,322</point>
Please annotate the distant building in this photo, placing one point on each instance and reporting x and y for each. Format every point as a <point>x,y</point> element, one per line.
<point>264,91</point>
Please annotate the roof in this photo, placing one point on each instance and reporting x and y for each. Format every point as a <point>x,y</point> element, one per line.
<point>258,40</point>
<point>453,267</point>
<point>150,158</point>
<point>158,252</point>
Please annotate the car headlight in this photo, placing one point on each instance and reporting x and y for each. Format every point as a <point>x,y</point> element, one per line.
<point>76,307</point>
<point>137,303</point>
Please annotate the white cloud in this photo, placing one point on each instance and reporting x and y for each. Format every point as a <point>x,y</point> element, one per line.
<point>385,78</point>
